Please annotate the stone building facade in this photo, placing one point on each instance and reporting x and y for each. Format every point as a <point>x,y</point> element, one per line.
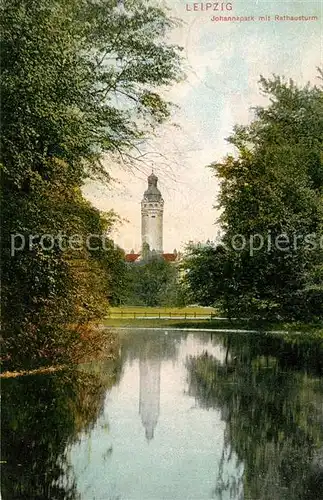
<point>152,212</point>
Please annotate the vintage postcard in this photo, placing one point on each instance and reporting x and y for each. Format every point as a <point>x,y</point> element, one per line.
<point>162,250</point>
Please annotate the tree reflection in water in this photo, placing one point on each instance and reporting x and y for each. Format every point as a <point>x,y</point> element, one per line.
<point>269,393</point>
<point>273,409</point>
<point>41,416</point>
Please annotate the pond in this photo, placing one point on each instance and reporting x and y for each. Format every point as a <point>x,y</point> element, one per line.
<point>179,415</point>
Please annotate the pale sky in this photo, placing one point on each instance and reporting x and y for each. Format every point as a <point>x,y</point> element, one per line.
<point>224,61</point>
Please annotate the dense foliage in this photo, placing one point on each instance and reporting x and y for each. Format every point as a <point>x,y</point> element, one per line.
<point>153,282</point>
<point>79,89</point>
<point>269,262</point>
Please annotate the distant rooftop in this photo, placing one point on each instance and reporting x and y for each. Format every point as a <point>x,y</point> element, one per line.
<point>133,257</point>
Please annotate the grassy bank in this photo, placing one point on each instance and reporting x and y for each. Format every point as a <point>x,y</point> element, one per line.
<point>188,309</point>
<point>170,323</point>
<point>143,311</point>
<point>313,330</point>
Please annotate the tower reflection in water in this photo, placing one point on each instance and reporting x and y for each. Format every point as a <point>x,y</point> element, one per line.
<point>150,349</point>
<point>149,395</point>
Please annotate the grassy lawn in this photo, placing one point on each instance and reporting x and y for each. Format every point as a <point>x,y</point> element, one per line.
<point>132,311</point>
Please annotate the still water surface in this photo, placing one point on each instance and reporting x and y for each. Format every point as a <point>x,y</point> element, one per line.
<point>178,416</point>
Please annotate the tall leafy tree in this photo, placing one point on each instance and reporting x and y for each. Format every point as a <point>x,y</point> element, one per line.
<point>272,210</point>
<point>152,282</point>
<point>80,88</point>
<point>78,80</point>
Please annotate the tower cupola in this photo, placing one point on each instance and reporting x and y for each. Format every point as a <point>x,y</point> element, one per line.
<point>152,193</point>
